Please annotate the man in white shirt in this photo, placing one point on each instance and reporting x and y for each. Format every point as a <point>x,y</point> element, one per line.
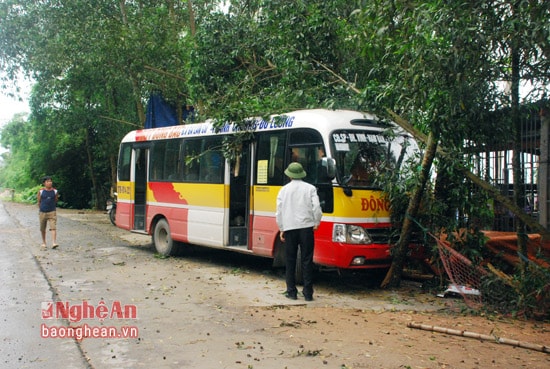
<point>298,215</point>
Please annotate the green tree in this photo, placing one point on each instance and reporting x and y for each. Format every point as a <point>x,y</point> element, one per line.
<point>263,57</point>
<point>521,45</point>
<point>96,64</point>
<point>16,136</point>
<point>442,65</point>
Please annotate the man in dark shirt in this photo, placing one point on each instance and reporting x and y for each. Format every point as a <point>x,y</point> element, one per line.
<point>47,203</point>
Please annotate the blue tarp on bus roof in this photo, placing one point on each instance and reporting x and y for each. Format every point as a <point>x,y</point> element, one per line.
<point>160,113</point>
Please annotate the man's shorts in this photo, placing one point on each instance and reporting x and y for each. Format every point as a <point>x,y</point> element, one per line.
<point>51,217</point>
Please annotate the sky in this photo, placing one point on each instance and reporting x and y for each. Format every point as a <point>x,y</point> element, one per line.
<point>9,107</point>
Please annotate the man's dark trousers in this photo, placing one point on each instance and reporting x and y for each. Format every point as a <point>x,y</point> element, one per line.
<point>302,238</point>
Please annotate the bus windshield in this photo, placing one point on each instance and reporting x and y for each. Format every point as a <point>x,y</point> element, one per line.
<point>364,158</point>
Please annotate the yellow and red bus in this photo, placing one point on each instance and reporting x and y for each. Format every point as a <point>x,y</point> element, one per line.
<point>175,184</point>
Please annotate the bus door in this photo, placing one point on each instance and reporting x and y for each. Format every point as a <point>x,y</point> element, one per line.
<point>141,154</point>
<point>239,198</point>
<point>269,158</point>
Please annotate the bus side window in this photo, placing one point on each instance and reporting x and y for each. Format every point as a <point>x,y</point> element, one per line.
<point>307,157</point>
<point>319,174</point>
<point>271,150</point>
<point>171,161</point>
<point>307,148</point>
<point>158,151</point>
<point>141,170</point>
<point>124,162</point>
<point>211,167</point>
<point>190,160</point>
<point>211,162</point>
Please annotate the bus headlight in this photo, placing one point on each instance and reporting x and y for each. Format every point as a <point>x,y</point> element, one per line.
<point>350,234</point>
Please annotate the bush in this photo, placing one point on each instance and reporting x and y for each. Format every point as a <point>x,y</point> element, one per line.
<point>534,291</point>
<point>526,294</point>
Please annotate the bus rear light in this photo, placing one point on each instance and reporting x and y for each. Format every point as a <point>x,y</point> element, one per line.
<point>350,234</point>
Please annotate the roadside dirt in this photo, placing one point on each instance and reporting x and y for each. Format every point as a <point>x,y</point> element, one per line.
<point>227,310</point>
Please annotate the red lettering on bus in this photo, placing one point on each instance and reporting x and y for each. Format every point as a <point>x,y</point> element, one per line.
<point>374,204</point>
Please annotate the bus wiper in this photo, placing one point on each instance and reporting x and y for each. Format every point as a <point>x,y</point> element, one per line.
<point>345,185</point>
<point>348,179</point>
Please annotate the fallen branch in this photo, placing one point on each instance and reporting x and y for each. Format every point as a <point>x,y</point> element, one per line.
<point>502,276</point>
<point>489,188</point>
<point>484,337</point>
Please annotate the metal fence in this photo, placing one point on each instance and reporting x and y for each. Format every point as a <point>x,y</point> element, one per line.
<point>495,164</point>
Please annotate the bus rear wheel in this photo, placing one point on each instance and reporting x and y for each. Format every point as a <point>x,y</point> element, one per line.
<point>162,238</point>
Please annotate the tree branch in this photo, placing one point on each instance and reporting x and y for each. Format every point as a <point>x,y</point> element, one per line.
<point>164,72</point>
<point>120,121</point>
<point>479,336</point>
<point>338,77</point>
<point>490,189</point>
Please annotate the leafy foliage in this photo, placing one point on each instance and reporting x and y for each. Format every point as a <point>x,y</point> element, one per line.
<point>15,169</point>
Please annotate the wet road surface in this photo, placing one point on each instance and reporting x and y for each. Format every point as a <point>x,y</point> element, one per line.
<point>194,311</point>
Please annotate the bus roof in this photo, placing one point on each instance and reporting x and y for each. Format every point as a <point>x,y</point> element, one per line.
<point>323,120</point>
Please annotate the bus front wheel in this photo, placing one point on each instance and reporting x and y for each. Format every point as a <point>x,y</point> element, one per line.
<point>162,239</point>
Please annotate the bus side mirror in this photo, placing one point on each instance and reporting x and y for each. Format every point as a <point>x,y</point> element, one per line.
<point>328,168</point>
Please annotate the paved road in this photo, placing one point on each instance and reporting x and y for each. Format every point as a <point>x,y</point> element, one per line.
<point>196,311</point>
<point>24,288</point>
